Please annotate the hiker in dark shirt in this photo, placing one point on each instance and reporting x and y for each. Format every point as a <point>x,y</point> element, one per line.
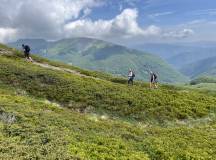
<point>153,80</point>
<point>26,50</point>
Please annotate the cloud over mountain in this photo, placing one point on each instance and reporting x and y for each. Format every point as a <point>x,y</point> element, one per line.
<point>56,19</point>
<point>123,25</point>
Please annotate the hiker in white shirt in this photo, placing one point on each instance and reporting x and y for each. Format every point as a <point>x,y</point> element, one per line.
<point>131,77</point>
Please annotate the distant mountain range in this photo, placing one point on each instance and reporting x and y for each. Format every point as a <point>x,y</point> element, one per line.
<point>103,56</point>
<point>192,59</point>
<point>180,54</point>
<point>205,67</point>
<point>164,50</point>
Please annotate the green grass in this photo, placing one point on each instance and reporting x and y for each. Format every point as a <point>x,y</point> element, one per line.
<point>136,102</point>
<point>96,74</point>
<point>48,114</point>
<point>45,131</point>
<point>203,79</point>
<point>205,85</point>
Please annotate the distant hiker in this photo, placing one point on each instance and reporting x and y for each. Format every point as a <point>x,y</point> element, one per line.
<point>153,80</point>
<point>27,50</point>
<point>131,76</point>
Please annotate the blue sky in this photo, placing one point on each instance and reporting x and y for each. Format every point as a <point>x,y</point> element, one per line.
<point>160,12</point>
<point>198,15</point>
<point>120,21</point>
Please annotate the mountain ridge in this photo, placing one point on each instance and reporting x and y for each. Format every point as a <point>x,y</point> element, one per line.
<point>204,67</point>
<point>105,56</point>
<point>181,54</point>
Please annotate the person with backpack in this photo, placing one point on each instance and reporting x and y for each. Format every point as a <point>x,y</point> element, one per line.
<point>153,80</point>
<point>26,50</point>
<point>131,76</point>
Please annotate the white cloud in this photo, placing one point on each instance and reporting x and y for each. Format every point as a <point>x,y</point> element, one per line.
<point>152,30</point>
<point>196,21</point>
<point>123,25</point>
<point>42,18</point>
<point>126,23</point>
<point>86,12</point>
<point>210,12</point>
<point>160,14</point>
<point>7,34</point>
<point>179,34</point>
<point>55,19</point>
<point>131,2</point>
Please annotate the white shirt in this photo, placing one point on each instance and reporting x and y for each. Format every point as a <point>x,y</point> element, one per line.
<point>130,74</point>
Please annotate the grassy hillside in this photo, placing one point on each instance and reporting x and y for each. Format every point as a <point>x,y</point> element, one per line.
<point>206,67</point>
<point>204,79</point>
<point>47,113</point>
<point>205,84</point>
<point>103,56</point>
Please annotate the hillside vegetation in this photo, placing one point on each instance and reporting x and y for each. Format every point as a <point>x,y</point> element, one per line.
<point>47,113</point>
<point>203,79</point>
<point>103,56</point>
<point>204,84</point>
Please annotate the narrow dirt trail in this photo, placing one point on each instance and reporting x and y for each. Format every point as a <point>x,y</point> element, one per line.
<point>7,52</point>
<point>64,70</point>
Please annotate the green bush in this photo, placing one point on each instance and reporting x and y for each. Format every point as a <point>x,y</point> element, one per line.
<point>116,99</point>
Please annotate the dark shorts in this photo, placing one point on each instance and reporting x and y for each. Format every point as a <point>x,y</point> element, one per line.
<point>153,81</point>
<point>130,79</point>
<point>26,54</point>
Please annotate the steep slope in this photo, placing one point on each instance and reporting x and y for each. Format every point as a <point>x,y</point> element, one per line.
<point>48,111</point>
<point>205,67</point>
<point>103,56</point>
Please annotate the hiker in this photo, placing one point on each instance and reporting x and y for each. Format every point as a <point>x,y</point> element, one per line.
<point>26,50</point>
<point>131,76</point>
<point>153,80</point>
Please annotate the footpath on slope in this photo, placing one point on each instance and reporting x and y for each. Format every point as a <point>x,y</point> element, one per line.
<point>45,65</point>
<point>64,70</point>
<point>6,52</point>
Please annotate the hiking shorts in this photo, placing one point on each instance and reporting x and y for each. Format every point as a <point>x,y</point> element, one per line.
<point>130,79</point>
<point>153,80</point>
<point>26,54</point>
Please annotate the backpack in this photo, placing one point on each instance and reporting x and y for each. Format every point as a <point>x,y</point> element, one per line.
<point>155,76</point>
<point>133,75</point>
<point>27,48</point>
